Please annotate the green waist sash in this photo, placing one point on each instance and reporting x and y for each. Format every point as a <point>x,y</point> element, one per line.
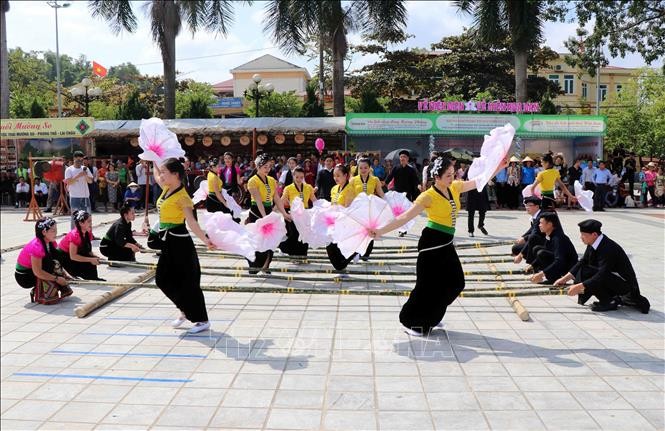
<point>441,227</point>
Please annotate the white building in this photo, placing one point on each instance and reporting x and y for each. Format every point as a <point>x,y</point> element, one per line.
<point>284,76</point>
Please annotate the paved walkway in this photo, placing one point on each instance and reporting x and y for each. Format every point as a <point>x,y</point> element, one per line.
<point>314,361</point>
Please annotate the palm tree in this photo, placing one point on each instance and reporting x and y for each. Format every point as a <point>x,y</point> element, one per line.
<point>521,20</point>
<point>4,67</point>
<point>293,22</point>
<point>166,19</point>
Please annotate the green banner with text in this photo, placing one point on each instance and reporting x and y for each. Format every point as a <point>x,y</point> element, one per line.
<point>526,125</point>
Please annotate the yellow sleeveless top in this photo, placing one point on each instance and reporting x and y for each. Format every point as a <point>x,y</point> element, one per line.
<point>372,184</point>
<point>212,180</point>
<point>341,197</point>
<point>266,195</point>
<point>291,193</point>
<point>441,212</point>
<point>171,209</point>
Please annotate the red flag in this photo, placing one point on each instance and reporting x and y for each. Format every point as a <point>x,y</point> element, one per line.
<point>98,69</point>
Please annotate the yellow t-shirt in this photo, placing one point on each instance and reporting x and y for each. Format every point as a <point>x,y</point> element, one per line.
<point>442,214</point>
<point>548,179</point>
<point>171,209</point>
<point>353,170</point>
<point>212,180</point>
<point>291,193</point>
<point>373,183</point>
<point>266,195</point>
<point>342,197</point>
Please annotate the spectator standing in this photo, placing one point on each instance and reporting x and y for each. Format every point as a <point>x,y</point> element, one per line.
<point>587,176</point>
<point>650,177</point>
<point>513,181</point>
<point>112,186</point>
<point>92,187</point>
<point>528,172</point>
<point>629,169</point>
<point>574,174</point>
<point>405,176</point>
<point>500,187</point>
<point>21,171</point>
<point>77,178</point>
<point>142,175</point>
<point>601,180</point>
<point>379,170</point>
<point>325,180</point>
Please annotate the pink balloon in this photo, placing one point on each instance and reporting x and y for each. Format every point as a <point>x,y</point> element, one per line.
<point>319,144</point>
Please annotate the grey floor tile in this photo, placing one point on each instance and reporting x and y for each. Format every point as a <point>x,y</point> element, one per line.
<point>298,399</point>
<point>248,398</point>
<point>33,410</point>
<point>82,412</point>
<point>186,416</point>
<point>405,420</point>
<point>567,420</point>
<point>249,418</point>
<point>294,419</point>
<point>350,400</point>
<point>514,420</point>
<point>402,401</point>
<point>502,401</point>
<point>621,419</point>
<point>132,414</point>
<point>470,420</point>
<point>552,401</point>
<point>347,420</point>
<point>452,401</point>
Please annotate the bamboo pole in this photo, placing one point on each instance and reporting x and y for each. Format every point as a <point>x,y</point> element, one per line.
<point>106,297</point>
<point>518,308</point>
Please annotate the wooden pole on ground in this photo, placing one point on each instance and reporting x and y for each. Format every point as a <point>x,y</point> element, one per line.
<point>115,293</point>
<point>519,309</point>
<point>33,212</point>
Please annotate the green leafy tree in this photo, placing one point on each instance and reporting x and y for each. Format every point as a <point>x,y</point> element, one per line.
<point>72,70</point>
<point>103,110</point>
<point>546,105</point>
<point>28,81</point>
<point>125,73</point>
<point>293,22</point>
<point>37,110</point>
<point>636,115</point>
<point>134,108</point>
<point>520,21</point>
<point>166,20</point>
<point>623,26</point>
<point>312,107</point>
<point>193,98</point>
<point>275,104</point>
<point>453,66</point>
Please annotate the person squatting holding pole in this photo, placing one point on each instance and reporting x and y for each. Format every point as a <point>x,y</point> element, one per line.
<point>37,267</point>
<point>178,269</point>
<point>439,274</point>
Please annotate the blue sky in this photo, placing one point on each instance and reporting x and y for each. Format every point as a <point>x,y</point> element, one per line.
<point>31,26</point>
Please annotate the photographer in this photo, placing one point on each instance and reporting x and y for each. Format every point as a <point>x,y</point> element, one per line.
<point>77,178</point>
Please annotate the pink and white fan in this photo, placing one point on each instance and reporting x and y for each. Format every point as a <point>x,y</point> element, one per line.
<point>365,213</point>
<point>302,218</point>
<point>158,142</point>
<point>492,153</point>
<point>400,204</point>
<point>231,204</point>
<point>228,235</point>
<point>268,232</point>
<point>584,197</point>
<point>324,219</point>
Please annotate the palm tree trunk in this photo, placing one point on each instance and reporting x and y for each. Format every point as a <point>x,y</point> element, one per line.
<point>4,66</point>
<point>167,45</point>
<point>339,48</point>
<point>321,74</point>
<point>520,75</point>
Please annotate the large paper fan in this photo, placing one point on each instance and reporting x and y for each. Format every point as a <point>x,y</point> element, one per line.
<point>584,197</point>
<point>365,213</point>
<point>267,232</point>
<point>400,204</point>
<point>492,153</point>
<point>228,235</point>
<point>158,142</point>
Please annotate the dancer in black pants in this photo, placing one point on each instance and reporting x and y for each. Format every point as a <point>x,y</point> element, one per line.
<point>119,243</point>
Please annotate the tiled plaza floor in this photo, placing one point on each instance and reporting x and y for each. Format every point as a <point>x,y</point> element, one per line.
<point>312,361</point>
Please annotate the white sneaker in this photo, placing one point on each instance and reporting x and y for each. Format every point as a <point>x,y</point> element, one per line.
<point>199,327</point>
<point>179,321</point>
<point>413,333</point>
<point>440,325</point>
<point>356,258</point>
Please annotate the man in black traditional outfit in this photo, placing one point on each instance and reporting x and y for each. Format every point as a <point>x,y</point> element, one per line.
<point>524,246</point>
<point>604,272</point>
<point>557,256</point>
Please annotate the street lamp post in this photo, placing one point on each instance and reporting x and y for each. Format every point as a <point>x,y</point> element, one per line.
<point>85,91</point>
<point>256,91</point>
<point>56,6</point>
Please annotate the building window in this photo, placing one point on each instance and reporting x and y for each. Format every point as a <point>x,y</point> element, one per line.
<point>602,92</point>
<point>554,78</point>
<point>585,90</point>
<point>618,88</point>
<point>568,84</point>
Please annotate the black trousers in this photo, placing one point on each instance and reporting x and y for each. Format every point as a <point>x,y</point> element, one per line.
<point>612,285</point>
<point>262,259</point>
<point>369,249</point>
<point>292,245</point>
<point>481,219</point>
<point>439,280</point>
<point>599,196</point>
<point>178,273</point>
<point>85,270</point>
<point>512,195</point>
<point>337,259</point>
<point>516,249</point>
<point>530,247</point>
<point>115,252</point>
<point>25,278</point>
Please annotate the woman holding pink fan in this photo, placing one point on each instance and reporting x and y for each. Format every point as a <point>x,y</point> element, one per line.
<point>178,270</point>
<point>262,187</point>
<point>341,194</point>
<point>439,274</point>
<point>366,183</point>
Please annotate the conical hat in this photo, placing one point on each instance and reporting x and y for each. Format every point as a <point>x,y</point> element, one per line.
<point>527,159</point>
<point>514,159</point>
